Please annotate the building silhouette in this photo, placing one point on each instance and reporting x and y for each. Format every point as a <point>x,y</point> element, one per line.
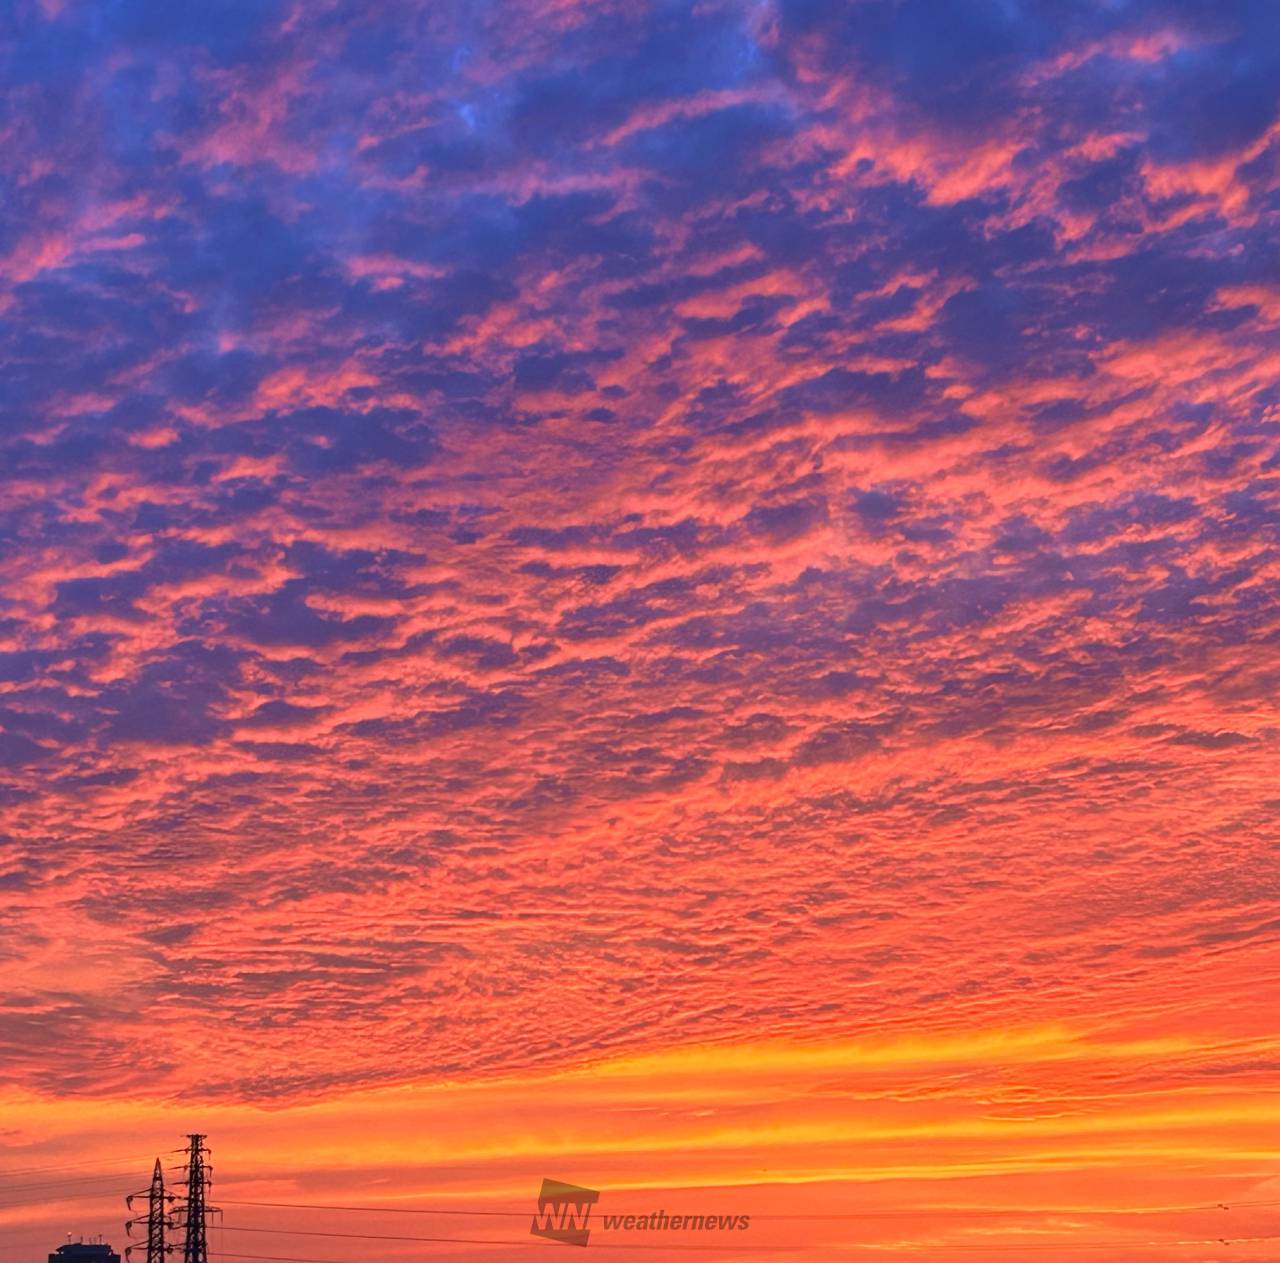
<point>84,1252</point>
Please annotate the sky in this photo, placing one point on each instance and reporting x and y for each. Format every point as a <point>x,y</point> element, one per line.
<point>680,597</point>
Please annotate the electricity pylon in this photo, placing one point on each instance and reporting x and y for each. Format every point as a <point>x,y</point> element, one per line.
<point>158,1219</point>
<point>196,1208</point>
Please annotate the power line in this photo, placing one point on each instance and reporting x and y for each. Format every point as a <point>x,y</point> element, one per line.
<point>1096,1245</point>
<point>389,1210</point>
<point>757,1246</point>
<point>115,1192</point>
<point>989,1247</point>
<point>271,1258</point>
<point>983,1212</point>
<point>71,1166</point>
<point>505,1241</point>
<point>6,1187</point>
<point>111,1177</point>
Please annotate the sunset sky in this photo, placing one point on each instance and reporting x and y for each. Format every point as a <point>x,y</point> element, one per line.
<point>681,597</point>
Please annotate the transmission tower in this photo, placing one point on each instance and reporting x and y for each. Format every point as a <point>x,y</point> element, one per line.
<point>196,1208</point>
<point>157,1219</point>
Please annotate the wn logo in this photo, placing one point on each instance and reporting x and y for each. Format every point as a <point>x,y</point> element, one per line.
<point>563,1212</point>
